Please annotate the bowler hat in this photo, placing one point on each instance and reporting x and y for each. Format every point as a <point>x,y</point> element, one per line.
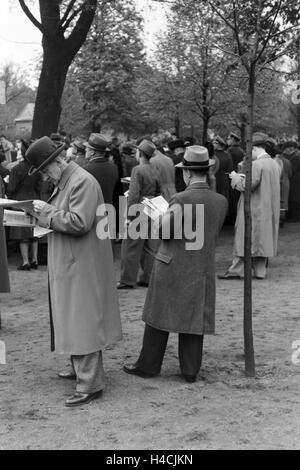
<point>147,147</point>
<point>259,138</point>
<point>41,153</point>
<point>196,158</point>
<point>97,142</point>
<point>175,144</point>
<point>127,148</point>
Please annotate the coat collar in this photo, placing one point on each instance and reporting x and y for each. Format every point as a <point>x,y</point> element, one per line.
<point>66,175</point>
<point>200,185</point>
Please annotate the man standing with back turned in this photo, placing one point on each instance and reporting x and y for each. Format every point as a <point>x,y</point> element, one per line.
<point>181,295</point>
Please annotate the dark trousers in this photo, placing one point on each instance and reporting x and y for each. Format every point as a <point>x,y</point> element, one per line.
<point>190,349</point>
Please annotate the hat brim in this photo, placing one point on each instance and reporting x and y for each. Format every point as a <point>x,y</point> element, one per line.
<point>87,145</point>
<point>33,169</point>
<point>196,167</point>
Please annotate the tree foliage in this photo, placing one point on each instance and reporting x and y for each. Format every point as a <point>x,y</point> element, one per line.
<point>106,69</point>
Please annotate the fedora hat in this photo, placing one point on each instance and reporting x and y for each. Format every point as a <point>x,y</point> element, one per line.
<point>79,145</point>
<point>234,136</point>
<point>220,141</point>
<point>147,147</point>
<point>97,142</point>
<point>259,138</point>
<point>196,158</point>
<point>41,153</point>
<point>57,138</point>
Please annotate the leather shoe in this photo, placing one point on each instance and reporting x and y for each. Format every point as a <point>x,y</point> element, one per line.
<point>120,285</point>
<point>82,398</point>
<point>228,276</point>
<point>66,374</point>
<point>24,267</point>
<point>134,370</point>
<point>190,378</point>
<point>142,284</point>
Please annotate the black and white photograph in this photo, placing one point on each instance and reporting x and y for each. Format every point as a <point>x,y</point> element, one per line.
<point>149,227</point>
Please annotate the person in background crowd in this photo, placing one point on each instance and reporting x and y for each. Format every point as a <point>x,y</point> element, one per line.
<point>83,303</point>
<point>237,155</point>
<point>265,211</point>
<point>115,157</point>
<point>128,155</point>
<point>7,148</point>
<point>181,295</point>
<point>165,169</point>
<point>105,172</point>
<point>188,141</point>
<point>20,187</point>
<point>177,148</point>
<point>144,183</point>
<point>79,151</point>
<point>226,166</point>
<point>4,276</point>
<point>285,174</point>
<point>292,154</point>
<point>211,175</point>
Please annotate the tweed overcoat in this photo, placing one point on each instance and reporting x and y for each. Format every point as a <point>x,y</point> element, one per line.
<point>83,297</point>
<point>181,294</point>
<point>265,210</point>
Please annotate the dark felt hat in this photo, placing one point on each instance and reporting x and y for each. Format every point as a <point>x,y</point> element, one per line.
<point>57,138</point>
<point>259,138</point>
<point>41,153</point>
<point>97,142</point>
<point>234,136</point>
<point>79,145</point>
<point>220,141</point>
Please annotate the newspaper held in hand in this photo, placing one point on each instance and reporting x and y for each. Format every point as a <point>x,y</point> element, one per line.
<point>155,207</point>
<point>26,206</point>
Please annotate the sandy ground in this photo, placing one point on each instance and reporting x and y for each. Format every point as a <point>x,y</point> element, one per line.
<point>222,410</point>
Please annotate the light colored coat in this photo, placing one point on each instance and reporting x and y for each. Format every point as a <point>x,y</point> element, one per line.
<point>181,294</point>
<point>265,209</point>
<point>83,295</point>
<point>166,172</point>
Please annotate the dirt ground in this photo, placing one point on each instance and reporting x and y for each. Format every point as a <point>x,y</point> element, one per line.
<point>222,410</point>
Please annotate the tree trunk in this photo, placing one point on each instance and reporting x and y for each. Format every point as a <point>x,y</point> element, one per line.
<point>51,85</point>
<point>205,121</point>
<point>248,334</point>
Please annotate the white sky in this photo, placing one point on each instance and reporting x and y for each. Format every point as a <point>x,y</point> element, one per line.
<point>20,40</point>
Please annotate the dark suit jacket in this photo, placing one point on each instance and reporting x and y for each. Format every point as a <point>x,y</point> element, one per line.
<point>106,173</point>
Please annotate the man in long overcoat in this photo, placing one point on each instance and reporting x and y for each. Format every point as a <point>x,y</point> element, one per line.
<point>181,295</point>
<point>265,212</point>
<point>83,299</point>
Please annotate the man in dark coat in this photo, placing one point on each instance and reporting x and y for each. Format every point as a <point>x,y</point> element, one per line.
<point>177,148</point>
<point>105,172</point>
<point>181,295</point>
<point>225,167</point>
<point>292,154</point>
<point>237,154</point>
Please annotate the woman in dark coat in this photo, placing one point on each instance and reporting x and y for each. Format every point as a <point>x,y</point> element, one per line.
<point>4,279</point>
<point>23,187</point>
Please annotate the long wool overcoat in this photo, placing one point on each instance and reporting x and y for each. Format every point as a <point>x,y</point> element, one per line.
<point>83,297</point>
<point>265,210</point>
<point>181,294</point>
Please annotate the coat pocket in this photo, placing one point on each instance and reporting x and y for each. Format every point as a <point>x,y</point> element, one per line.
<point>165,258</point>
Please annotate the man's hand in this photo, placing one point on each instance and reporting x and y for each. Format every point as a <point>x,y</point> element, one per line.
<point>39,206</point>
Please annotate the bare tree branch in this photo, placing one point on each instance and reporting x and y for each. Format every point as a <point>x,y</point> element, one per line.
<point>31,16</point>
<point>68,9</point>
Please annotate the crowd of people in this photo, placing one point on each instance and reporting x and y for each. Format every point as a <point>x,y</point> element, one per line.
<point>69,179</point>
